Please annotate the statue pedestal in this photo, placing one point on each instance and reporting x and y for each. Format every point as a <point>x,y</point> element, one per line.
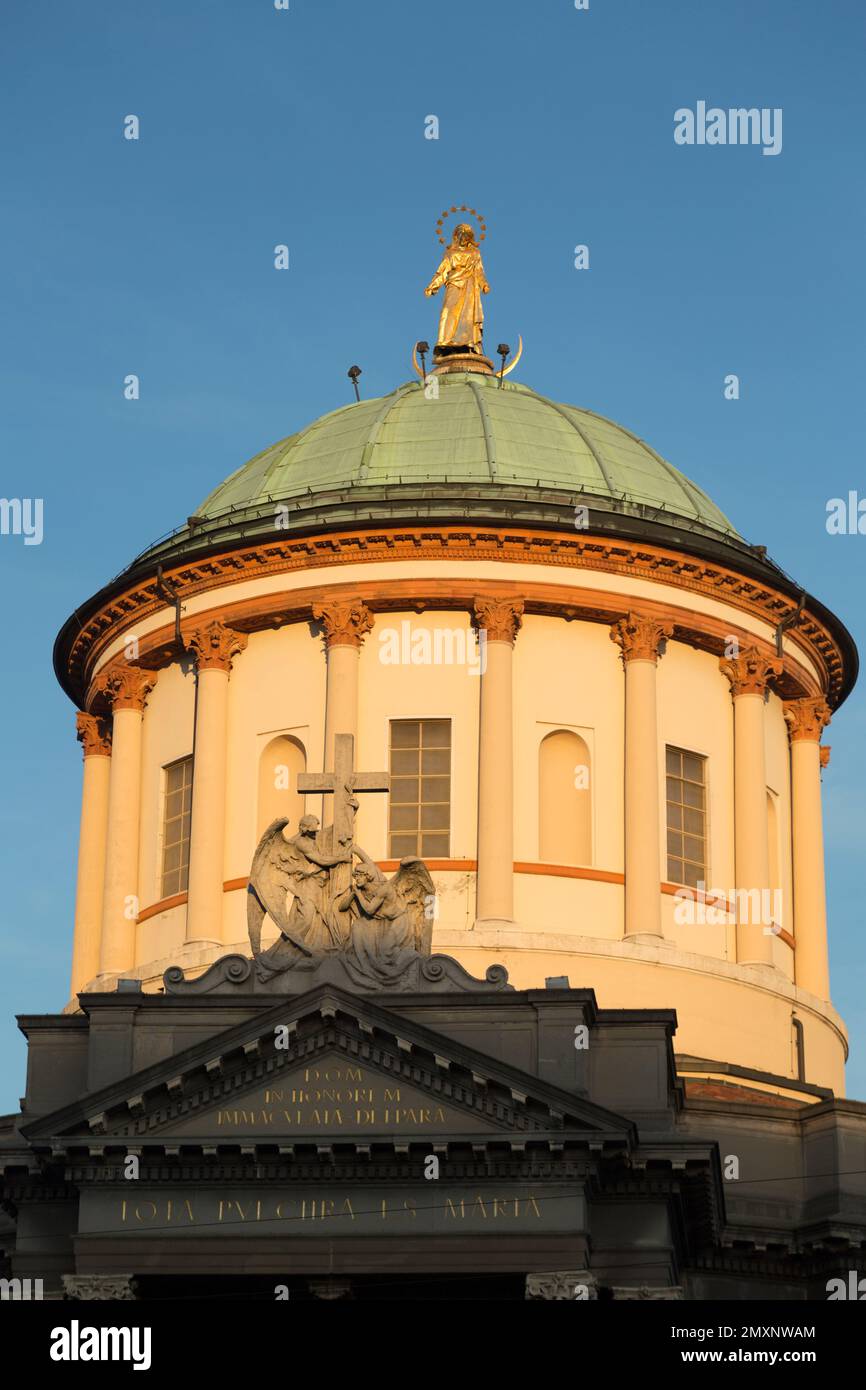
<point>461,362</point>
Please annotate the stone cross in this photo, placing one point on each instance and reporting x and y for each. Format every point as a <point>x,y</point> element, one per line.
<point>344,782</point>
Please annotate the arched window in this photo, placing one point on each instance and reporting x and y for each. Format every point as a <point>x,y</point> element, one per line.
<point>564,799</point>
<point>281,761</point>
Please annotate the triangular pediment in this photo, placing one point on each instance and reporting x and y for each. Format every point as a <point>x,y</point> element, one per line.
<point>327,1067</point>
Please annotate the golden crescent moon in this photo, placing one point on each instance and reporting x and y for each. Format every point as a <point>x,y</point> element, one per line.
<point>516,358</point>
<point>415,361</point>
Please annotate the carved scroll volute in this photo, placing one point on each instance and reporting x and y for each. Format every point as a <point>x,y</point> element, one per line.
<point>215,646</point>
<point>807,718</point>
<point>124,688</point>
<point>639,636</point>
<point>345,622</point>
<point>499,618</point>
<point>751,672</point>
<point>94,735</point>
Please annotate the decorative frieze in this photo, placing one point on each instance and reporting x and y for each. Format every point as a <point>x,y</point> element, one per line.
<point>525,546</point>
<point>345,622</point>
<point>574,1285</point>
<point>104,1287</point>
<point>640,636</point>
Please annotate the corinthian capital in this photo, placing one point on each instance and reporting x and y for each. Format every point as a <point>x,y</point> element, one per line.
<point>93,734</point>
<point>500,618</point>
<point>346,622</point>
<point>750,672</point>
<point>806,718</point>
<point>125,687</point>
<point>215,646</point>
<point>639,636</point>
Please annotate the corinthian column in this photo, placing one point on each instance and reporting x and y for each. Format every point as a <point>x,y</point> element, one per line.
<point>498,623</point>
<point>640,636</point>
<point>126,691</point>
<point>346,623</point>
<point>806,719</point>
<point>749,675</point>
<point>214,646</point>
<point>95,737</point>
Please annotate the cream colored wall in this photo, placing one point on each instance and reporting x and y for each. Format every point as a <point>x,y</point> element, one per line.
<point>695,713</point>
<point>569,676</point>
<point>566,675</point>
<point>409,691</point>
<point>167,734</point>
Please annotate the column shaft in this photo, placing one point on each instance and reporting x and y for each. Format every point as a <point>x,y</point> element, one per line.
<point>120,900</point>
<point>642,840</point>
<point>215,645</point>
<point>499,622</point>
<point>91,850</point>
<point>640,637</point>
<point>749,675</point>
<point>341,700</point>
<point>806,719</point>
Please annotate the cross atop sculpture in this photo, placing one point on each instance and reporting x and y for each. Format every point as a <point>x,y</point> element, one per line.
<point>344,782</point>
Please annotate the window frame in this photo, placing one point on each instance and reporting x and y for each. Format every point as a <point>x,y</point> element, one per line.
<point>182,869</point>
<point>706,872</point>
<point>419,851</point>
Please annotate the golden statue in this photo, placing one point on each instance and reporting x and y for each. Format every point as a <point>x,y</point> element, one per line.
<point>461,271</point>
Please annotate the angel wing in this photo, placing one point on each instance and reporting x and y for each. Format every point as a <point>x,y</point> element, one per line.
<point>270,880</point>
<point>417,892</point>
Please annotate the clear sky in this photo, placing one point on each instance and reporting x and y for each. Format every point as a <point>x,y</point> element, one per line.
<point>306,127</point>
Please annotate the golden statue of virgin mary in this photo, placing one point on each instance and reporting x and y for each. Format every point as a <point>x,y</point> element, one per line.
<point>461,271</point>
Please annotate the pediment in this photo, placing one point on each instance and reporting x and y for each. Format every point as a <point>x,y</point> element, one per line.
<point>330,1068</point>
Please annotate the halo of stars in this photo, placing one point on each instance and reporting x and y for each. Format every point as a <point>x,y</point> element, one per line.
<point>462,208</point>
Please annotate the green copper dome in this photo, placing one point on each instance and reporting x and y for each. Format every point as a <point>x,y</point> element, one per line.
<point>476,435</point>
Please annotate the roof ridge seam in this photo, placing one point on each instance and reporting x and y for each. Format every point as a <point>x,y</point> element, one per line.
<point>388,404</point>
<point>563,411</point>
<point>487,426</point>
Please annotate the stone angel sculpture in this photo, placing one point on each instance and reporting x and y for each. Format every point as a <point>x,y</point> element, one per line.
<point>393,925</point>
<point>299,866</point>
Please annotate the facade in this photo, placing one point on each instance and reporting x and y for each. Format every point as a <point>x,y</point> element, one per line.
<point>600,713</point>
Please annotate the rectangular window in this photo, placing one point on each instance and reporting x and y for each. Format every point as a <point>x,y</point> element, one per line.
<point>686,817</point>
<point>176,823</point>
<point>420,802</point>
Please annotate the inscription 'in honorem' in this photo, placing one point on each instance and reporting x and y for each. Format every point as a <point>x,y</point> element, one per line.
<point>335,1097</point>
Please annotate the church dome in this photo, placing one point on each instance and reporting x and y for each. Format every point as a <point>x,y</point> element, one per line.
<point>474,432</point>
<point>479,450</point>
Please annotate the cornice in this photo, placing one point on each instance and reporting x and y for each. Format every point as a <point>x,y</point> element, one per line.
<point>85,636</point>
<point>279,609</point>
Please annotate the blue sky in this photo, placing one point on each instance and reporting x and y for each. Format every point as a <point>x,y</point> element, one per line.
<point>306,127</point>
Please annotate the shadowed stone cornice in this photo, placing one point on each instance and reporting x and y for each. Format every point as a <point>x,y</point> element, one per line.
<point>755,589</point>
